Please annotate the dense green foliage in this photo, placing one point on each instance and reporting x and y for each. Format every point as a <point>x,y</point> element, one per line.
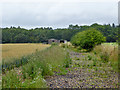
<point>37,35</point>
<point>41,64</point>
<point>87,39</point>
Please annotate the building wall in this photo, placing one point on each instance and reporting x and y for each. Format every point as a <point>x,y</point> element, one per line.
<point>51,41</point>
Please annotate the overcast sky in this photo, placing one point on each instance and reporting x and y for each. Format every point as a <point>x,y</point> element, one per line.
<point>57,13</point>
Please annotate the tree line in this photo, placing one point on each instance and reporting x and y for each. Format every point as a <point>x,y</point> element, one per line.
<point>40,35</point>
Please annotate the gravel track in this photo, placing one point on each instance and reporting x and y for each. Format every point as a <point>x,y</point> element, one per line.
<point>80,76</point>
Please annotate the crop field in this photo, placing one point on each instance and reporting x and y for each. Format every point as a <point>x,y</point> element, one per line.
<point>19,50</point>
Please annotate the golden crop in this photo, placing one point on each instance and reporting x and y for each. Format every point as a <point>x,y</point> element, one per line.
<point>18,50</point>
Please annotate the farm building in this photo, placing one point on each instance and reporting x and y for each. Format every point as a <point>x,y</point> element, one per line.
<point>63,41</point>
<point>50,41</point>
<point>45,42</point>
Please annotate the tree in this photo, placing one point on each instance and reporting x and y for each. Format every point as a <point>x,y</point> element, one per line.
<point>88,39</point>
<point>21,38</point>
<point>37,35</point>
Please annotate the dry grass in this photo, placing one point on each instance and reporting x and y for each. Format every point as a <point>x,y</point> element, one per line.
<point>107,49</point>
<point>108,52</point>
<point>19,50</point>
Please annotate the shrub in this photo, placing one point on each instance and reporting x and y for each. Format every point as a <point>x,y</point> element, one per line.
<point>53,43</point>
<point>66,45</point>
<point>88,39</point>
<point>63,45</point>
<point>89,57</point>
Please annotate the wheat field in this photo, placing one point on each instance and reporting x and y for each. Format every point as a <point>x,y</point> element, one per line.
<point>19,50</point>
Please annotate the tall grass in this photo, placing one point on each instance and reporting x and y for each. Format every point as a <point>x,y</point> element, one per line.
<point>40,64</point>
<point>107,52</point>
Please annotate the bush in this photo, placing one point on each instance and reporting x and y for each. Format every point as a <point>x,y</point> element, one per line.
<point>89,57</point>
<point>53,44</point>
<point>63,45</point>
<point>88,39</point>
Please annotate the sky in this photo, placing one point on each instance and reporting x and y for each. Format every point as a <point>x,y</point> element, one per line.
<point>57,13</point>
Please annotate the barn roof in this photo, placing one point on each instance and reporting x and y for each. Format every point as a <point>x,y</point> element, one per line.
<point>52,39</point>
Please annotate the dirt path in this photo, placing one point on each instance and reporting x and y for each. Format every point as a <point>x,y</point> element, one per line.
<point>82,74</point>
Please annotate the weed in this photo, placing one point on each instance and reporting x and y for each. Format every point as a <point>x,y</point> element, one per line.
<point>89,57</point>
<point>10,80</point>
<point>76,58</point>
<point>68,60</point>
<point>96,69</point>
<point>100,64</point>
<point>104,56</point>
<point>63,71</point>
<point>94,63</point>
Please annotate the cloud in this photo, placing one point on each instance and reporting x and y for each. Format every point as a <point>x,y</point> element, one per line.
<point>119,12</point>
<point>19,1</point>
<point>57,14</point>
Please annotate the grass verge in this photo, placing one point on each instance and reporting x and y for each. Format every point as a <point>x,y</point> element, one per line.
<point>40,64</point>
